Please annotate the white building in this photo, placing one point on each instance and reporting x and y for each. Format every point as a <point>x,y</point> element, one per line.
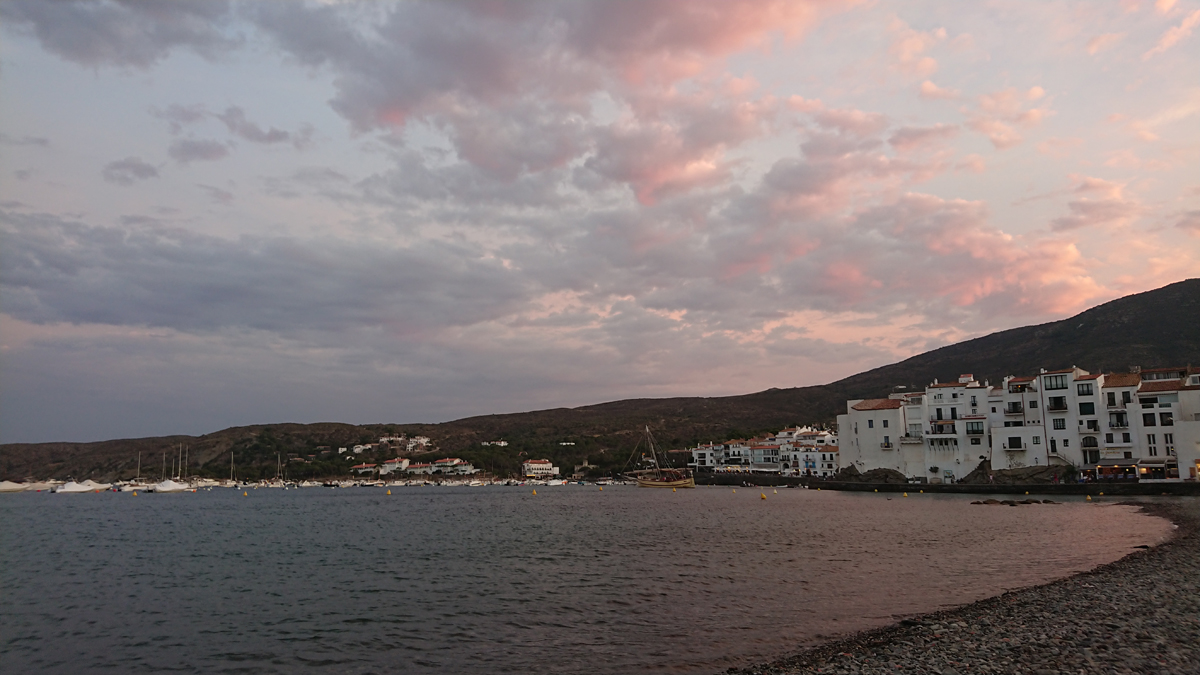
<point>787,452</point>
<point>393,465</point>
<point>538,468</point>
<point>453,466</point>
<point>1119,426</point>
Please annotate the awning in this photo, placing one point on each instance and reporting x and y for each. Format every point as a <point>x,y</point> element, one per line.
<point>1153,461</point>
<point>1115,464</point>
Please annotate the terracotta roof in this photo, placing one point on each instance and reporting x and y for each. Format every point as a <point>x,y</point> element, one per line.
<point>1088,377</point>
<point>1059,372</point>
<point>946,384</point>
<point>537,461</point>
<point>878,404</point>
<point>1160,385</point>
<point>1022,379</point>
<point>1121,380</point>
<point>1177,369</point>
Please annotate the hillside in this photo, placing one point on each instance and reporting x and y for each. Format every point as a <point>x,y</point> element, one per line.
<point>1156,328</point>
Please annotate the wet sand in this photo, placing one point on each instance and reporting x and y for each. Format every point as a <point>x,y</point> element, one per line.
<point>1140,614</point>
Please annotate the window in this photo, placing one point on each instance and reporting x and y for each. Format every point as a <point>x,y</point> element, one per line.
<point>1169,441</point>
<point>1084,388</point>
<point>1014,442</point>
<point>975,440</point>
<point>1112,399</point>
<point>1089,442</point>
<point>1126,397</point>
<point>973,401</point>
<point>1150,439</point>
<point>1053,445</point>
<point>1108,439</point>
<point>1088,408</point>
<point>1066,442</point>
<point>1147,419</point>
<point>885,424</point>
<point>993,408</point>
<point>1055,381</point>
<point>1126,438</point>
<point>1057,403</point>
<point>1166,419</point>
<point>870,424</point>
<point>954,395</point>
<point>974,427</point>
<point>954,413</point>
<point>1060,423</point>
<point>1033,404</point>
<point>1037,440</point>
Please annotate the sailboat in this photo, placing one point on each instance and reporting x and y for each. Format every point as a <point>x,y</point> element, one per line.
<point>663,475</point>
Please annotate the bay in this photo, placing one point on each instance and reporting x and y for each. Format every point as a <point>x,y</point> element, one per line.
<point>499,580</point>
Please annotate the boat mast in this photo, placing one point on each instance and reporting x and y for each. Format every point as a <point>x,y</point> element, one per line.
<point>139,474</point>
<point>231,465</point>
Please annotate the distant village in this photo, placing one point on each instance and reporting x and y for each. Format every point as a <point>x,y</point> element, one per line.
<point>1142,425</point>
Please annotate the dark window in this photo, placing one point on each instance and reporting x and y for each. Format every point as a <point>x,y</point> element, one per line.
<point>1088,408</point>
<point>870,424</point>
<point>1084,388</point>
<point>885,424</point>
<point>975,440</point>
<point>1060,423</point>
<point>1125,438</point>
<point>1166,419</point>
<point>1112,399</point>
<point>1147,419</point>
<point>1126,397</point>
<point>1014,442</point>
<point>1108,438</point>
<point>954,413</point>
<point>1032,404</point>
<point>1055,381</point>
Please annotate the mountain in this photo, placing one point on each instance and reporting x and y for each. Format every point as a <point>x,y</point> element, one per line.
<point>1156,328</point>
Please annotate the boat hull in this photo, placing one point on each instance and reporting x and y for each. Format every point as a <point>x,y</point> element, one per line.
<point>688,482</point>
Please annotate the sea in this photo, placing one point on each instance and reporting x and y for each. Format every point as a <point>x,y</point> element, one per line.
<point>572,579</point>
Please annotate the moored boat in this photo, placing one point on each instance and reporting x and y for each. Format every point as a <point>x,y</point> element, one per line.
<point>661,474</point>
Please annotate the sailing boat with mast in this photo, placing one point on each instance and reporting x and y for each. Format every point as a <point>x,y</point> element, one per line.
<point>662,474</point>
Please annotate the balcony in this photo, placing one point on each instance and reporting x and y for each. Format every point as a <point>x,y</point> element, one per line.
<point>1119,405</point>
<point>1056,406</point>
<point>912,438</point>
<point>1013,449</point>
<point>1014,409</point>
<point>943,430</point>
<point>1118,424</point>
<point>886,446</point>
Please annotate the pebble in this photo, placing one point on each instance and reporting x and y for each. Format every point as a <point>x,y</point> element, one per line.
<point>1140,614</point>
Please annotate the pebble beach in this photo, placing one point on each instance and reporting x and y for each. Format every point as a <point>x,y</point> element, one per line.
<point>1140,614</point>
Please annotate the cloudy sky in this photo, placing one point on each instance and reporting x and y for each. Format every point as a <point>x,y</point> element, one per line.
<point>222,213</point>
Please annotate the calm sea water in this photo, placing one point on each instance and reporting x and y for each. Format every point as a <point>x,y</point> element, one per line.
<point>497,580</point>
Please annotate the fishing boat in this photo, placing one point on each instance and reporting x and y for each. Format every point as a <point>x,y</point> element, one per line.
<point>661,474</point>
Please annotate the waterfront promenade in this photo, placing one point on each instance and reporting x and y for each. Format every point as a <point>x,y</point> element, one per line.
<point>1140,614</point>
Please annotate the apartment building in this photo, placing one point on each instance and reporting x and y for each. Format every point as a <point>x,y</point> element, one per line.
<point>1142,425</point>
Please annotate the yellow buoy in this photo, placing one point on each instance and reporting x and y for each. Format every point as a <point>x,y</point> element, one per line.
<point>245,494</point>
<point>672,489</point>
<point>774,492</point>
<point>762,495</point>
<point>135,494</point>
<point>735,492</point>
<point>922,492</point>
<point>1089,498</point>
<point>877,489</point>
<point>1101,494</point>
<point>905,494</point>
<point>818,489</point>
<point>535,492</point>
<point>602,488</point>
<point>1027,492</point>
<point>389,492</point>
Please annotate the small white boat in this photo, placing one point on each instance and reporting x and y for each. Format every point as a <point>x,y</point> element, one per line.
<point>556,481</point>
<point>135,487</point>
<point>9,486</point>
<point>79,488</point>
<point>476,483</point>
<point>168,486</point>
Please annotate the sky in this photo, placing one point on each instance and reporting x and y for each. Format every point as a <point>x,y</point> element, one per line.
<point>226,213</point>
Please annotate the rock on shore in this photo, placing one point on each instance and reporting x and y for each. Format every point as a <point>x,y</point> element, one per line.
<point>1140,614</point>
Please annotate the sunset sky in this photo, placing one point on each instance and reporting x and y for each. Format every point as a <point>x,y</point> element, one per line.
<point>215,214</point>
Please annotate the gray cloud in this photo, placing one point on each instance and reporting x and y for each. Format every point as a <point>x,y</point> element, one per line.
<point>122,32</point>
<point>128,171</point>
<point>235,119</point>
<point>38,141</point>
<point>178,116</point>
<point>191,150</point>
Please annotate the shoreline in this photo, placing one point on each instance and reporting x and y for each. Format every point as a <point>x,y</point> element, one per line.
<point>1138,614</point>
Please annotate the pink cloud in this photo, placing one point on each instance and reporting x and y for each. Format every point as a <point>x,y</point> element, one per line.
<point>1100,202</point>
<point>1103,42</point>
<point>999,113</point>
<point>909,47</point>
<point>1174,35</point>
<point>932,91</point>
